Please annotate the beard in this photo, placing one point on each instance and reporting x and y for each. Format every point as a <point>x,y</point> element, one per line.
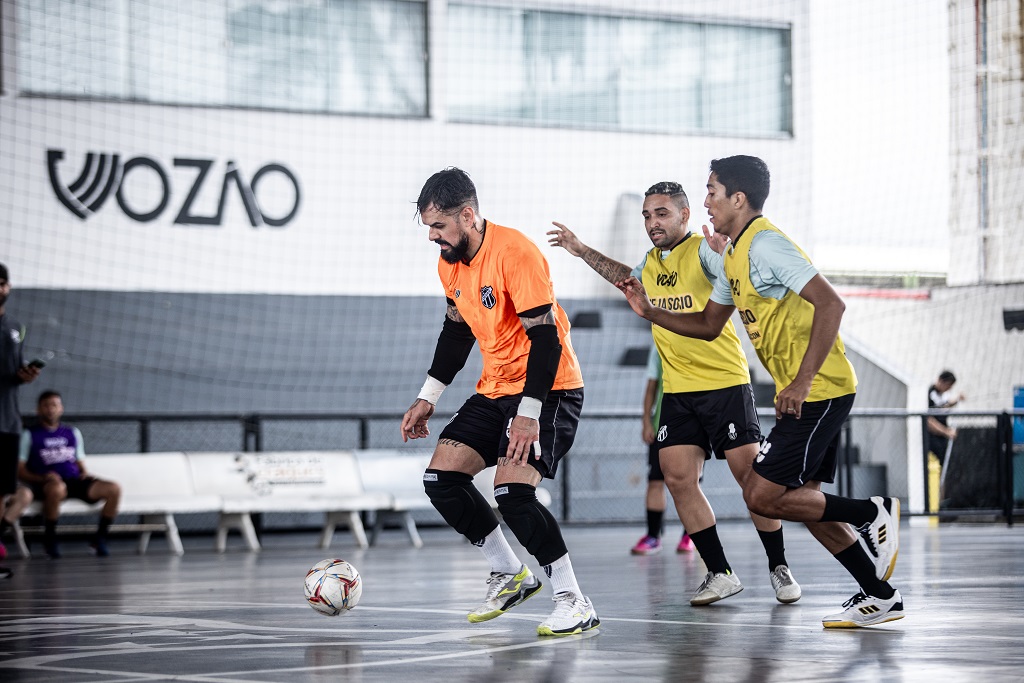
<point>457,251</point>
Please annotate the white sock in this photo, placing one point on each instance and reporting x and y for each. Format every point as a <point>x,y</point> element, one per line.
<point>499,553</point>
<point>562,577</point>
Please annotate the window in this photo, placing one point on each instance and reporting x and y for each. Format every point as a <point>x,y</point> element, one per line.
<point>590,71</point>
<point>349,56</point>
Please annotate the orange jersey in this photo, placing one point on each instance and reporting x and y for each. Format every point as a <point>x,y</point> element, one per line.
<point>506,276</point>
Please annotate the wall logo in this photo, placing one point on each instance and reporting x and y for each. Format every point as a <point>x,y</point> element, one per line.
<point>105,174</point>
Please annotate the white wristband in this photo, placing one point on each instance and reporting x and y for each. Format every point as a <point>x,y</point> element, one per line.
<point>530,407</point>
<point>431,390</point>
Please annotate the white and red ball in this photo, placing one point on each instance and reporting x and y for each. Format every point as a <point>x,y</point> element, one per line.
<point>333,587</point>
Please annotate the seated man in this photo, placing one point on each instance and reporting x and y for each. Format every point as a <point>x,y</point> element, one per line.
<point>51,461</point>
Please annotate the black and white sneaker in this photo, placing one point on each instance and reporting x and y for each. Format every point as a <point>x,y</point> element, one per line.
<point>505,591</point>
<point>866,610</point>
<point>881,538</point>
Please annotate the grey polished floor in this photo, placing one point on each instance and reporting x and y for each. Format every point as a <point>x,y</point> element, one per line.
<point>241,617</point>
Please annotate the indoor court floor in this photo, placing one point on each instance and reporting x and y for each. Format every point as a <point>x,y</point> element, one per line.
<point>241,616</point>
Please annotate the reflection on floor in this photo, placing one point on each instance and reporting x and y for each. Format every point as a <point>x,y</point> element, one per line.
<point>241,616</point>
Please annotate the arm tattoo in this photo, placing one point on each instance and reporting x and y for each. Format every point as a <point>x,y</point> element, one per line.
<point>547,318</point>
<point>454,315</point>
<point>610,269</point>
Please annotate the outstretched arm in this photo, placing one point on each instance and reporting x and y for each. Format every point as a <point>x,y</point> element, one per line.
<point>706,324</point>
<point>610,269</point>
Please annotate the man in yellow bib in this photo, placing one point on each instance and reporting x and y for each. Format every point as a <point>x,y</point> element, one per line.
<point>708,403</point>
<point>792,315</point>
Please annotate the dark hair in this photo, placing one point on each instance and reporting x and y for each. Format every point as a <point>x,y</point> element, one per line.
<point>745,174</point>
<point>49,393</point>
<point>947,376</point>
<point>448,190</point>
<point>671,189</point>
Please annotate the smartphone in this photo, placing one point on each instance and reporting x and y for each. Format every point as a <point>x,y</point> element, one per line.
<point>37,363</point>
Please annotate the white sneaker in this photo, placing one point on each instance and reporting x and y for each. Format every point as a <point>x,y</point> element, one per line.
<point>881,538</point>
<point>505,591</point>
<point>573,614</point>
<point>716,587</point>
<point>786,588</point>
<point>865,610</point>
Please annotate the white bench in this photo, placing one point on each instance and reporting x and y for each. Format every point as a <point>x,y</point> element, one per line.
<point>400,475</point>
<point>154,486</point>
<point>287,481</point>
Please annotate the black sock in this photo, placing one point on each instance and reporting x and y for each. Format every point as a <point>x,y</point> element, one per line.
<point>654,520</point>
<point>711,551</point>
<point>860,566</point>
<point>50,531</point>
<point>850,510</point>
<point>5,526</point>
<point>774,547</point>
<point>104,527</point>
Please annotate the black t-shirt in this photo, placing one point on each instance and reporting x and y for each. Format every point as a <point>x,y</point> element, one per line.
<point>12,337</point>
<point>936,399</point>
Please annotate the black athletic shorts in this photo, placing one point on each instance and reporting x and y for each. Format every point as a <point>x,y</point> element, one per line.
<point>482,423</point>
<point>9,445</point>
<point>77,488</point>
<point>718,420</point>
<point>799,451</point>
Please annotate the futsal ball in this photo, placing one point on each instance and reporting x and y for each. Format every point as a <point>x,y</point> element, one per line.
<point>333,587</point>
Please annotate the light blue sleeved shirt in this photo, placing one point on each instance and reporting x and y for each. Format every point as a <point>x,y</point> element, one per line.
<point>776,267</point>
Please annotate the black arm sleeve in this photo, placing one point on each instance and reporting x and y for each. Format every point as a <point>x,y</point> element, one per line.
<point>453,346</point>
<point>542,363</point>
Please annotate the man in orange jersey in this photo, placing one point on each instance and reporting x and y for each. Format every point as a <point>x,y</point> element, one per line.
<point>522,418</point>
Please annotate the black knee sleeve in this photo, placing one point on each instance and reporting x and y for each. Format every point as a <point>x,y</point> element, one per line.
<point>460,503</point>
<point>532,523</point>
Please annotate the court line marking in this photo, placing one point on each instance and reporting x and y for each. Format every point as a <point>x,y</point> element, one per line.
<point>43,662</point>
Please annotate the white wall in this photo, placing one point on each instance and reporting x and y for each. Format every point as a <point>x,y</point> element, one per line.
<point>863,185</point>
<point>355,232</point>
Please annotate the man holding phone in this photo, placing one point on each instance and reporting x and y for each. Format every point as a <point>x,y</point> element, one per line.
<point>13,373</point>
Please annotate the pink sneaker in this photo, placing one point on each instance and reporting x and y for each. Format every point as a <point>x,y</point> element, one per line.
<point>685,545</point>
<point>648,545</point>
<point>3,551</point>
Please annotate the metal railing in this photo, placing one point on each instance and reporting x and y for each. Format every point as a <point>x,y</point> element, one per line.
<point>604,477</point>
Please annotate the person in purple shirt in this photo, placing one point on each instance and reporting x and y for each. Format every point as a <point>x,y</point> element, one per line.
<point>52,462</point>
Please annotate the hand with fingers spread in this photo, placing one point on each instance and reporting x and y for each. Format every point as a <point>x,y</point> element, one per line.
<point>718,241</point>
<point>566,238</point>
